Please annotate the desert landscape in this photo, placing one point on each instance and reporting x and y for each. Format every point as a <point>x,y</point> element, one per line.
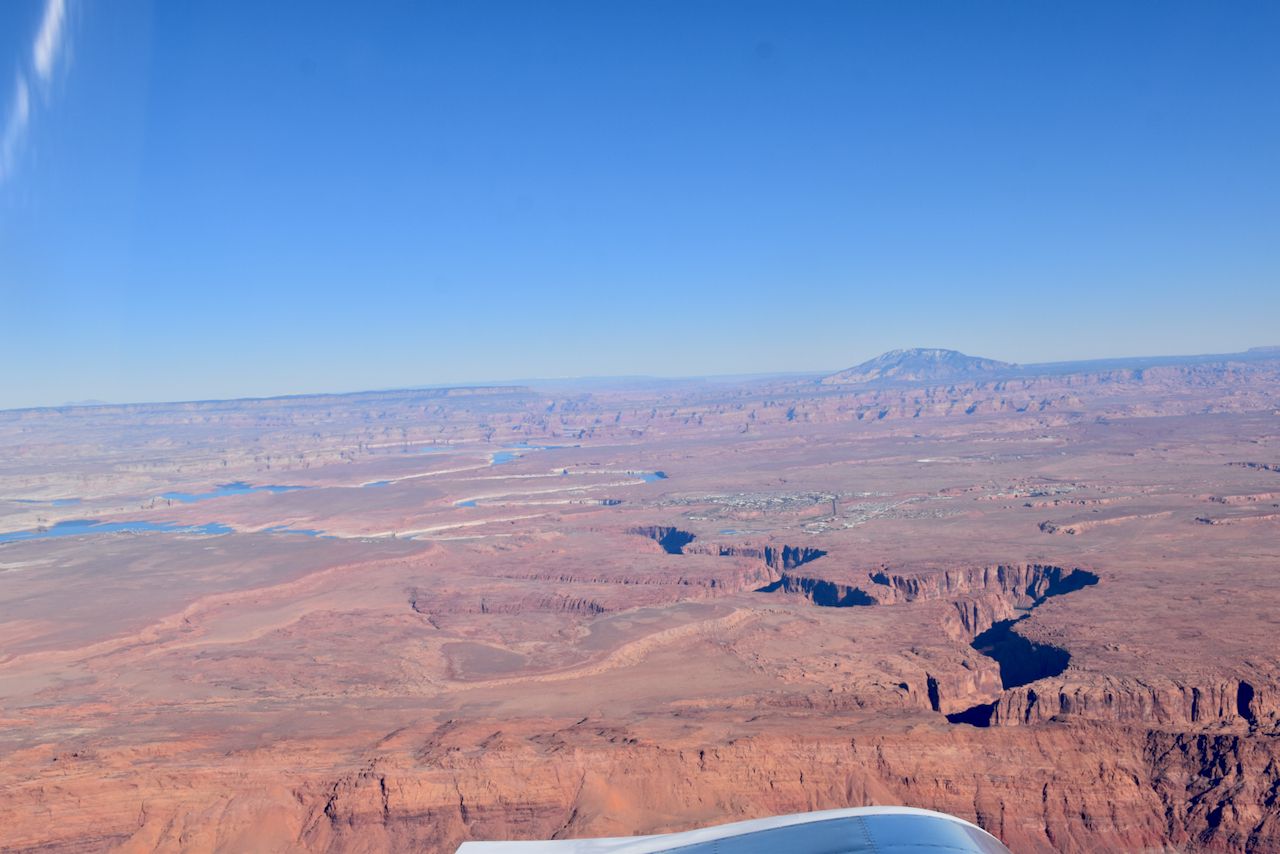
<point>637,427</point>
<point>1042,598</point>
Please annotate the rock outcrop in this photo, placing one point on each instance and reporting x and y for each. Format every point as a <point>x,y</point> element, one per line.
<point>920,365</point>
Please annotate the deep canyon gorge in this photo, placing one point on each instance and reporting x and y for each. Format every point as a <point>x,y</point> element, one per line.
<point>1047,603</point>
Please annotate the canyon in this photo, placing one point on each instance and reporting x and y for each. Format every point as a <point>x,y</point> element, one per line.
<point>1045,599</point>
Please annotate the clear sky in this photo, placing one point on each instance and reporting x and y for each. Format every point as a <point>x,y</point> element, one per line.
<point>240,198</point>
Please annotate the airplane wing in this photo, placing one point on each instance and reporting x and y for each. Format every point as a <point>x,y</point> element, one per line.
<point>874,830</point>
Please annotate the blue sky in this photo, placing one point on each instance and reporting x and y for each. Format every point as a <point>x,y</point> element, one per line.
<point>223,199</point>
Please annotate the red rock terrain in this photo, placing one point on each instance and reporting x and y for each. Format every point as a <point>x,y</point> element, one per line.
<point>1047,604</point>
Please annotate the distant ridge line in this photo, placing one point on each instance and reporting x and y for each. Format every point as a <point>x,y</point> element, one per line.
<point>982,370</point>
<point>428,392</point>
<point>900,367</point>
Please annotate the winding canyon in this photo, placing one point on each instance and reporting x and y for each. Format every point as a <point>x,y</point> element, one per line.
<point>607,611</point>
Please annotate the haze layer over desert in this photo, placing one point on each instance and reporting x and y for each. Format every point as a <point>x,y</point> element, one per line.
<point>1044,599</point>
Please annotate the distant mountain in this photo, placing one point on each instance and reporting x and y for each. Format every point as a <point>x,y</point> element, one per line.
<point>920,365</point>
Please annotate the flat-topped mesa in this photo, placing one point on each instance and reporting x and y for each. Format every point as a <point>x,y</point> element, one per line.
<point>546,604</point>
<point>672,540</point>
<point>819,591</point>
<point>1237,703</point>
<point>1035,686</point>
<point>989,603</point>
<point>921,364</point>
<point>1026,584</point>
<point>778,558</point>
<point>983,594</point>
<point>551,603</point>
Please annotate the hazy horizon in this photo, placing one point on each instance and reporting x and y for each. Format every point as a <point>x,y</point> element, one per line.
<point>885,432</point>
<point>602,379</point>
<point>199,202</point>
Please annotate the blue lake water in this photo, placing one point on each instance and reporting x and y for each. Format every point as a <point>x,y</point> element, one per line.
<point>378,483</point>
<point>511,452</point>
<point>57,502</point>
<point>225,489</point>
<point>306,532</point>
<point>650,477</point>
<point>75,527</point>
<point>470,503</point>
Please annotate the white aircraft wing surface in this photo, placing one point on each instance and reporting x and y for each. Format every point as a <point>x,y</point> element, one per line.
<point>873,830</point>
